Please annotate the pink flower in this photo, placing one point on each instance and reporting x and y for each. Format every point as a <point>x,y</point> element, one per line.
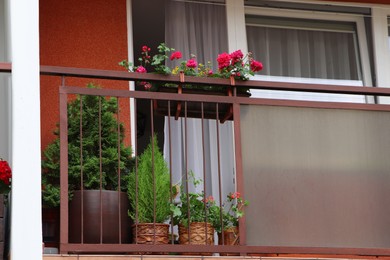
<point>210,72</point>
<point>175,55</point>
<point>191,63</point>
<point>235,195</point>
<point>256,65</point>
<point>141,69</point>
<point>223,60</point>
<point>145,48</point>
<point>236,56</point>
<point>209,199</point>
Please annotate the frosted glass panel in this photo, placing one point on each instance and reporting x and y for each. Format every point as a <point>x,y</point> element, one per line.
<point>316,177</point>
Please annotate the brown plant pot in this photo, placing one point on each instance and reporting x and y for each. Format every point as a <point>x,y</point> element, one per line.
<point>231,237</point>
<point>115,221</point>
<point>51,226</point>
<point>201,233</point>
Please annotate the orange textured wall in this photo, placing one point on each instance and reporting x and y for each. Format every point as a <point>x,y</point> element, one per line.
<point>82,34</point>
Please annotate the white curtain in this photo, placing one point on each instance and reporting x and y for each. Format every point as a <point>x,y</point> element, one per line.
<point>199,29</point>
<point>306,56</point>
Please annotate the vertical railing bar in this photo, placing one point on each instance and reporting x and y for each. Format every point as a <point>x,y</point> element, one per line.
<point>239,169</point>
<point>64,203</point>
<point>170,165</point>
<point>153,171</point>
<point>100,169</point>
<point>119,172</point>
<point>186,169</point>
<point>219,175</point>
<point>81,169</point>
<point>136,172</point>
<point>204,170</point>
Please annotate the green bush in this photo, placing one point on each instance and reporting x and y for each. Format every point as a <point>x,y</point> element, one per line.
<point>90,164</point>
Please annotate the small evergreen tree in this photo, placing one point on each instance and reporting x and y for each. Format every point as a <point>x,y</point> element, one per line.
<point>90,164</point>
<point>142,197</point>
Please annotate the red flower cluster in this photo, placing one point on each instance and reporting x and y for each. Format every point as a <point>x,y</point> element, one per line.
<point>256,66</point>
<point>5,172</point>
<point>223,60</point>
<point>191,63</point>
<point>175,55</point>
<point>235,195</point>
<point>141,69</point>
<point>209,199</point>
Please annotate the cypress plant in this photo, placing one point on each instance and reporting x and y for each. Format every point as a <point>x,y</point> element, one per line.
<point>150,190</point>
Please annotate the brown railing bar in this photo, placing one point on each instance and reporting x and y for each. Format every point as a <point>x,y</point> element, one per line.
<point>219,173</point>
<point>100,170</point>
<point>170,166</point>
<point>6,67</point>
<point>136,173</point>
<point>239,167</point>
<point>153,170</point>
<point>119,171</point>
<point>186,169</point>
<point>204,170</point>
<point>225,99</point>
<point>377,252</point>
<point>270,85</point>
<point>81,171</point>
<point>64,206</point>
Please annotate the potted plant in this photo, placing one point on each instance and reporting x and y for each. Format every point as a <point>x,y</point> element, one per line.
<point>5,188</point>
<point>235,66</point>
<point>228,233</point>
<point>195,216</point>
<point>99,168</point>
<point>149,196</point>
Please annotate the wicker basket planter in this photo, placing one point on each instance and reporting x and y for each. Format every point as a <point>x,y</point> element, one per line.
<point>151,233</point>
<point>201,233</point>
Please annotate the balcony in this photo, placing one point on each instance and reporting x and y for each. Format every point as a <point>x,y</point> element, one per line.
<point>315,173</point>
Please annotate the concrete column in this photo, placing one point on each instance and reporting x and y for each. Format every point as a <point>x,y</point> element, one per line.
<point>26,230</point>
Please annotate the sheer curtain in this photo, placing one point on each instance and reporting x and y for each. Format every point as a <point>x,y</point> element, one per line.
<point>199,29</point>
<point>308,55</point>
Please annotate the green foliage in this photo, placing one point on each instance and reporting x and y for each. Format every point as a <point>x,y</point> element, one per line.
<point>150,186</point>
<point>90,164</point>
<point>194,207</point>
<point>158,60</point>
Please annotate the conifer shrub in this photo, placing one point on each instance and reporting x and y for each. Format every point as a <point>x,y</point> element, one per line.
<point>149,187</point>
<point>90,163</point>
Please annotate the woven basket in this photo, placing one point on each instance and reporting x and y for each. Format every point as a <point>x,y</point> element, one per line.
<point>151,233</point>
<point>231,237</point>
<point>198,235</point>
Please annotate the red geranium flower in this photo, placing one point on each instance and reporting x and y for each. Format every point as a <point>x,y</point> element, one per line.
<point>223,60</point>
<point>256,65</point>
<point>175,55</point>
<point>191,63</point>
<point>141,69</point>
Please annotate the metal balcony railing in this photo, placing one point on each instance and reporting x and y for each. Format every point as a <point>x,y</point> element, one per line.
<point>179,105</point>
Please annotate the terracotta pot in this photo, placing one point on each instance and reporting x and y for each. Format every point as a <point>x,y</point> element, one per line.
<point>91,217</point>
<point>201,233</point>
<point>231,237</point>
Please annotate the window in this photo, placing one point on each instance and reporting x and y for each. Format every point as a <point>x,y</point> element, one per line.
<point>308,46</point>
